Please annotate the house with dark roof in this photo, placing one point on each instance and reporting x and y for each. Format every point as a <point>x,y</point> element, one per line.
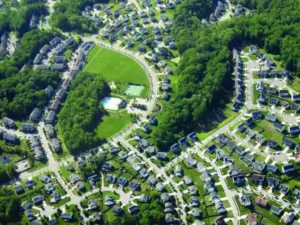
<point>295,108</point>
<point>192,137</point>
<point>133,209</point>
<point>271,168</point>
<point>211,148</point>
<point>288,142</point>
<point>273,101</point>
<point>297,149</point>
<point>262,99</point>
<point>284,189</point>
<point>161,156</point>
<point>175,148</point>
<point>257,115</point>
<point>66,216</point>
<point>249,122</point>
<point>183,142</point>
<point>284,93</point>
<point>288,168</point>
<point>38,199</point>
<point>294,130</point>
<point>10,139</point>
<point>297,193</point>
<point>273,182</point>
<point>241,128</point>
<point>117,210</point>
<point>272,144</point>
<point>296,98</point>
<point>19,189</point>
<point>222,139</point>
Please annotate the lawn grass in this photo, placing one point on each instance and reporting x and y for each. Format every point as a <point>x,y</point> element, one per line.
<point>212,124</point>
<point>242,209</point>
<point>268,131</point>
<point>295,84</point>
<point>112,123</point>
<point>252,57</point>
<point>114,66</point>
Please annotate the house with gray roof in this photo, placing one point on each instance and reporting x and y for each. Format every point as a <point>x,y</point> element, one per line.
<point>28,128</point>
<point>9,123</point>
<point>50,130</point>
<point>38,59</point>
<point>258,166</point>
<point>50,117</point>
<point>246,200</point>
<point>35,115</point>
<point>55,145</point>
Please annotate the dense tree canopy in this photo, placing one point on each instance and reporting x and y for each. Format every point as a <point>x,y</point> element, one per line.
<point>204,72</point>
<point>82,112</point>
<point>19,20</point>
<point>22,92</point>
<point>206,62</point>
<point>67,15</point>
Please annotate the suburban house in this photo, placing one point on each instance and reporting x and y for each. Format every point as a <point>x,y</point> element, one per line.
<point>35,114</point>
<point>262,202</point>
<point>288,168</point>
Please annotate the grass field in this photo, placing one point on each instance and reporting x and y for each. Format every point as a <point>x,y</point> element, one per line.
<point>112,123</point>
<point>215,121</point>
<point>114,66</point>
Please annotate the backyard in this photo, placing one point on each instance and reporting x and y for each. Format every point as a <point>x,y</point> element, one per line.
<point>112,123</point>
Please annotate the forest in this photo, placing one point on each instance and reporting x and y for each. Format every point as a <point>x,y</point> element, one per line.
<point>82,112</point>
<point>18,20</point>
<point>206,60</point>
<point>23,91</point>
<point>67,16</point>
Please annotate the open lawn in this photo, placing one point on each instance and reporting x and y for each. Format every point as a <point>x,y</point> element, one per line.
<point>215,120</point>
<point>112,123</point>
<point>114,66</point>
<point>268,131</point>
<point>295,84</point>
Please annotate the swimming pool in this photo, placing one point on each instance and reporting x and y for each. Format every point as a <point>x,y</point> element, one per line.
<point>111,103</point>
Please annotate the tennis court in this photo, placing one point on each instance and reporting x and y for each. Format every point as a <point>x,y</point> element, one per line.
<point>134,90</point>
